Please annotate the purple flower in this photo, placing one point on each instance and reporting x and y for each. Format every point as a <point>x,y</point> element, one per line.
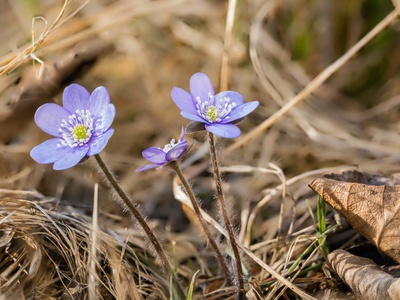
<point>217,112</point>
<point>161,157</point>
<point>81,127</point>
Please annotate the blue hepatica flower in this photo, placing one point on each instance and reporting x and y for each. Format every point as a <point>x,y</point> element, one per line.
<point>81,127</point>
<point>217,112</point>
<point>161,157</point>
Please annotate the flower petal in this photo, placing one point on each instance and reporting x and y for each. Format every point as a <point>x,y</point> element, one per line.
<point>233,96</point>
<point>224,130</point>
<point>48,152</point>
<point>155,155</point>
<point>193,117</point>
<point>75,97</point>
<point>71,158</point>
<point>241,111</point>
<point>104,119</point>
<point>176,152</point>
<point>147,167</point>
<point>182,134</point>
<point>201,86</point>
<point>48,117</point>
<point>183,100</point>
<point>99,99</point>
<point>98,143</point>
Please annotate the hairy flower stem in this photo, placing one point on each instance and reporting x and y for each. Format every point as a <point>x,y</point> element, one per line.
<point>176,167</point>
<point>138,216</point>
<point>224,212</point>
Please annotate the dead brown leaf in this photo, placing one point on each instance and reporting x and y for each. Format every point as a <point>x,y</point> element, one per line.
<point>369,202</point>
<point>364,277</point>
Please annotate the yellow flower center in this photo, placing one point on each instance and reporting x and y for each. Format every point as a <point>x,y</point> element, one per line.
<point>80,132</point>
<point>212,113</point>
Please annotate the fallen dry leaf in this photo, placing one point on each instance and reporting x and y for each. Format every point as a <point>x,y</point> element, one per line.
<point>369,202</point>
<point>364,277</point>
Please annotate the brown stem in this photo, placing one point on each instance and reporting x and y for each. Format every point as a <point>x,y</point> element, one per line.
<point>224,212</point>
<point>138,216</point>
<point>175,165</point>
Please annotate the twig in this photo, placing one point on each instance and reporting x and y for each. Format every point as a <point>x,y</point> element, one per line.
<point>230,18</point>
<point>93,249</point>
<point>29,51</point>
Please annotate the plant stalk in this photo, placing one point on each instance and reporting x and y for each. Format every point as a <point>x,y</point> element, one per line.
<point>224,212</point>
<point>176,167</point>
<point>138,216</point>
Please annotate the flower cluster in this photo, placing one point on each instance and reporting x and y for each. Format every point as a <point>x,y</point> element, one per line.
<point>215,112</point>
<point>81,127</point>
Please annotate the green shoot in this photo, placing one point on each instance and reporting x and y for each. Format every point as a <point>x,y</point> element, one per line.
<point>321,215</point>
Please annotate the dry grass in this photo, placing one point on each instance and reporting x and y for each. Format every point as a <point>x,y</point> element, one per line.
<point>46,253</point>
<point>325,73</point>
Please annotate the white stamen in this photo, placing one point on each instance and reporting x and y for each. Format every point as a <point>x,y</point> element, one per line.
<point>169,146</point>
<point>214,110</point>
<point>77,131</point>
